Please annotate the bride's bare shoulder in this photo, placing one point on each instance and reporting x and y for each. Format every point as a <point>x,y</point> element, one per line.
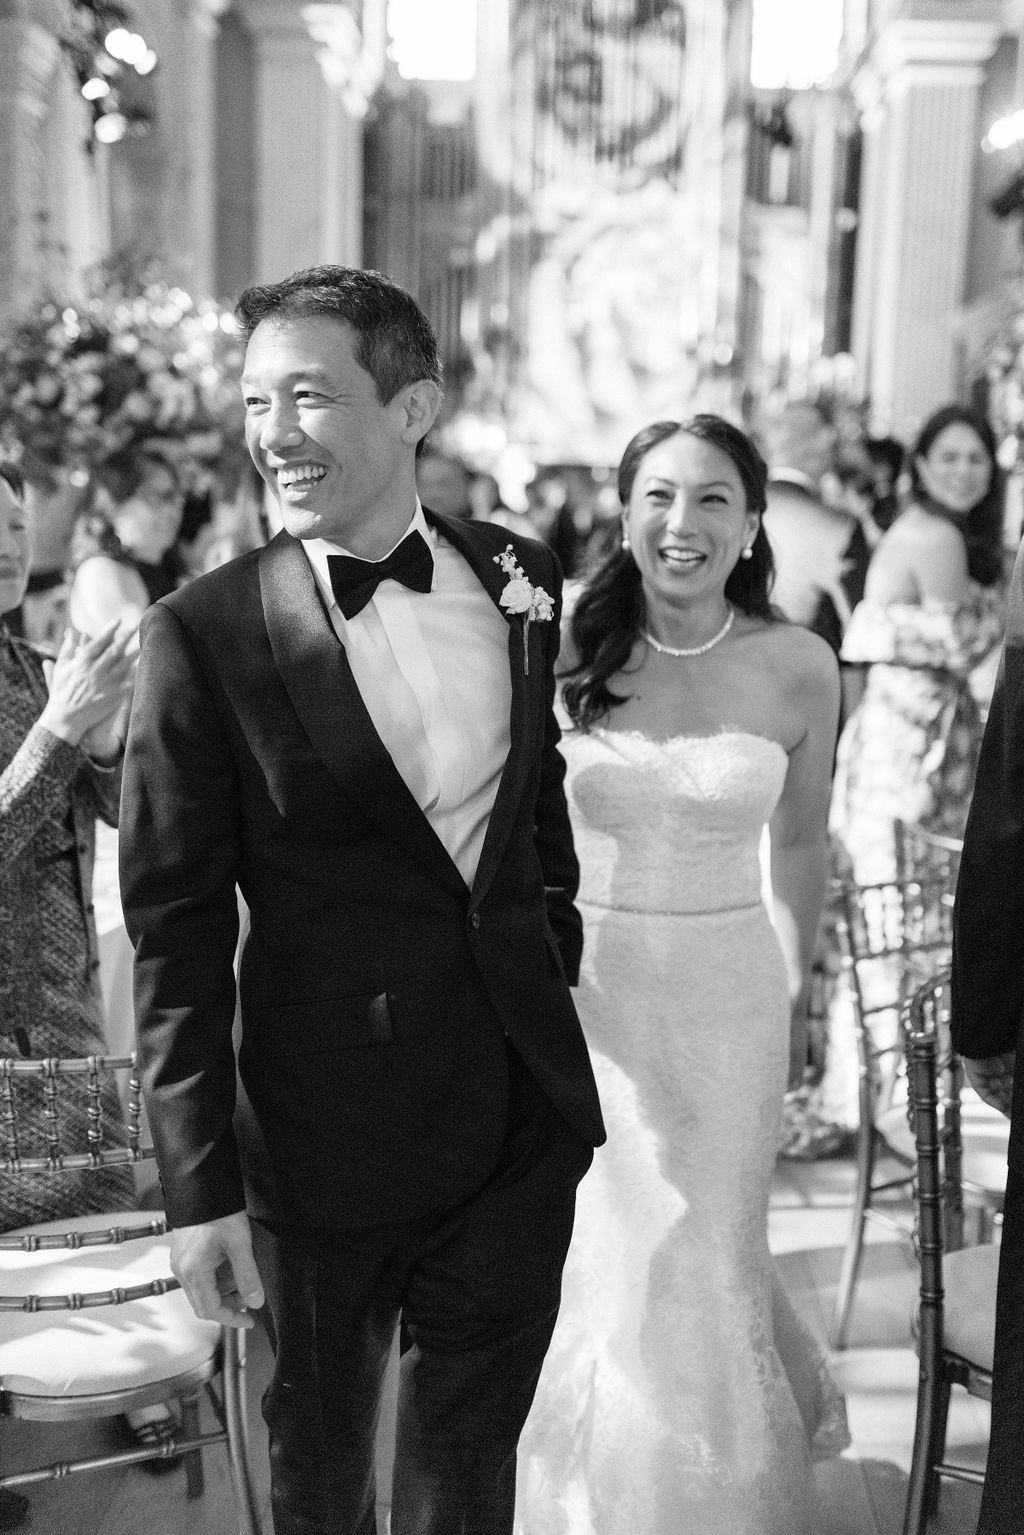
<point>794,651</point>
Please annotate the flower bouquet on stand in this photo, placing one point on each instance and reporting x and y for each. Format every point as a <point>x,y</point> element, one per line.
<point>135,362</point>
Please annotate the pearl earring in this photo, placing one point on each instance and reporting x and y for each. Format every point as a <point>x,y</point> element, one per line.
<point>625,537</point>
<point>746,553</point>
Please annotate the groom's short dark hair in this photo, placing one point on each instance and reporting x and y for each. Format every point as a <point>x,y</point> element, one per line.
<point>394,340</point>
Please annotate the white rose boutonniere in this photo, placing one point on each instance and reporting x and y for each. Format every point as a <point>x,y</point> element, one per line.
<point>522,599</point>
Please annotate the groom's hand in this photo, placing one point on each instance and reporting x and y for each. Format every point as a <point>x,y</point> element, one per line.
<point>992,1079</point>
<point>215,1267</point>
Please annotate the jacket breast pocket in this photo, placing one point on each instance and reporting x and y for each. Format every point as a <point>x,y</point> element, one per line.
<point>328,1025</point>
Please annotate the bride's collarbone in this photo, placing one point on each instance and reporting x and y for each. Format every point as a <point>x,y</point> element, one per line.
<point>699,706</point>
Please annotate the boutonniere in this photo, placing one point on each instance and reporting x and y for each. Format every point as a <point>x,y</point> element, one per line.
<point>522,599</point>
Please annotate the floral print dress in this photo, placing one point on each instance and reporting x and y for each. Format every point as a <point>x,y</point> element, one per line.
<point>908,753</point>
<point>910,749</point>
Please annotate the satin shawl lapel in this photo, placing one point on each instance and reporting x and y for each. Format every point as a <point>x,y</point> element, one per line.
<point>526,715</point>
<point>318,679</point>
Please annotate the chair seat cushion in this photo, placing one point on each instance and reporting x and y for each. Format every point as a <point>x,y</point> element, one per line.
<point>969,1280</point>
<point>103,1348</point>
<point>984,1137</point>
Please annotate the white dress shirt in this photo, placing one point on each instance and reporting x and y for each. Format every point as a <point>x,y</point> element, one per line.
<point>433,671</point>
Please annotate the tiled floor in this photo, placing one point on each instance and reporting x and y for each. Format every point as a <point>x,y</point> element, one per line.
<point>864,1490</point>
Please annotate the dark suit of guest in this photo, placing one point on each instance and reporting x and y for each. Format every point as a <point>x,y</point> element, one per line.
<point>409,1043</point>
<point>988,1008</point>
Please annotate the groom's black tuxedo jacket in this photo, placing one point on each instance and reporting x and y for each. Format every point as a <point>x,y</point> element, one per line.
<point>376,990</point>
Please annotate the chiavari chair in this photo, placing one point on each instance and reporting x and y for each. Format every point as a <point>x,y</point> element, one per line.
<point>92,1323</point>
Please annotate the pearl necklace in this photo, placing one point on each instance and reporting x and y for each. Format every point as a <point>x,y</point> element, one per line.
<point>697,650</point>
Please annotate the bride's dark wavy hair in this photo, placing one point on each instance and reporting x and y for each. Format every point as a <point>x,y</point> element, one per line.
<point>610,612</point>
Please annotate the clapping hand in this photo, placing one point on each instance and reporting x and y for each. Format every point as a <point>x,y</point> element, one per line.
<point>992,1079</point>
<point>90,682</point>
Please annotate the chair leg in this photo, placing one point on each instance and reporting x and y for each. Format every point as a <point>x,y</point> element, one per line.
<point>237,1426</point>
<point>937,1446</point>
<point>916,1513</point>
<point>854,1249</point>
<point>194,1479</point>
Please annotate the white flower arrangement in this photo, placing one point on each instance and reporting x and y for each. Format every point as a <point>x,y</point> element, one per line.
<point>521,599</point>
<point>82,378</point>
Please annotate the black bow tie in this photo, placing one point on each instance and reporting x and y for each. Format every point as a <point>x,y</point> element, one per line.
<point>355,581</point>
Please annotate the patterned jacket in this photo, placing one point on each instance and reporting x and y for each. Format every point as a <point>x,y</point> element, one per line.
<point>41,778</point>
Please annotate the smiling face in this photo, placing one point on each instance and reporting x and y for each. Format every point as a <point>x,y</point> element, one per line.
<point>687,520</point>
<point>14,548</point>
<point>341,464</point>
<point>956,471</point>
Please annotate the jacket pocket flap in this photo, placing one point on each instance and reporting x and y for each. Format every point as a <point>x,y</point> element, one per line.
<point>328,1024</point>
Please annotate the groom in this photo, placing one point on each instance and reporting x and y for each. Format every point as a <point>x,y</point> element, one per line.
<point>354,725</point>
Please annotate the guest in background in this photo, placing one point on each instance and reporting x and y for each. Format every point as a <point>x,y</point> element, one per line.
<point>60,753</point>
<point>125,552</point>
<point>443,483</point>
<point>54,499</point>
<point>885,462</point>
<point>550,510</point>
<point>60,768</point>
<point>853,492</point>
<point>485,498</point>
<point>820,552</point>
<point>932,609</point>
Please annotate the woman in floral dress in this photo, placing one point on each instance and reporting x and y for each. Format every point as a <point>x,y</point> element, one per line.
<point>932,611</point>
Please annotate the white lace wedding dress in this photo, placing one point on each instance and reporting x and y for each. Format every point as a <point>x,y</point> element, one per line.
<point>681,1394</point>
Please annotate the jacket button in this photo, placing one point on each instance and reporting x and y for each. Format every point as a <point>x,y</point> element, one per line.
<point>474,921</point>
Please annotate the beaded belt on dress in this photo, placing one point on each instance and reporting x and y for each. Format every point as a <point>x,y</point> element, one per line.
<point>654,911</point>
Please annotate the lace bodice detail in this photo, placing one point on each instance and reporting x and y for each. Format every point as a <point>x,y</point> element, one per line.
<point>671,826</point>
<point>935,635</point>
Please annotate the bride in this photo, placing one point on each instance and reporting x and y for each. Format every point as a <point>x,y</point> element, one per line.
<point>681,1394</point>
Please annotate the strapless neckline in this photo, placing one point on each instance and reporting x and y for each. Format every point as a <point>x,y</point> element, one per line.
<point>723,736</point>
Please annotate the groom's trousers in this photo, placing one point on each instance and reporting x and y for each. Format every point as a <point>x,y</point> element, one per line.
<point>476,1289</point>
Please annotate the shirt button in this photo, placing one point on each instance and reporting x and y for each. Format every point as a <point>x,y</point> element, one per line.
<point>474,921</point>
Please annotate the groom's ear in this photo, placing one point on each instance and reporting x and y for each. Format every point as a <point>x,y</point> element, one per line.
<point>418,405</point>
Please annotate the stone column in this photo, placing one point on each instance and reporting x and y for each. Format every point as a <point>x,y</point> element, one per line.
<point>77,230</point>
<point>919,96</point>
<point>290,108</point>
<point>350,76</point>
<point>311,91</point>
<point>29,54</point>
<point>200,188</point>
